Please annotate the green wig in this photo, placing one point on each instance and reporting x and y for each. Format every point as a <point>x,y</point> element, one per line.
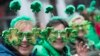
<point>17,19</point>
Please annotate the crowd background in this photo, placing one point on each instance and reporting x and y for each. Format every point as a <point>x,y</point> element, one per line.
<point>41,18</point>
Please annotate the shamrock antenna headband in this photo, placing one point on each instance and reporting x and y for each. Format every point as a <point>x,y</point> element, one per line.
<point>15,5</point>
<point>92,6</point>
<point>70,9</point>
<point>36,6</point>
<point>81,7</point>
<point>49,9</point>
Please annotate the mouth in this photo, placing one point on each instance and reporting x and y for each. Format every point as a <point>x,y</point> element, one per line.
<point>59,41</point>
<point>24,47</point>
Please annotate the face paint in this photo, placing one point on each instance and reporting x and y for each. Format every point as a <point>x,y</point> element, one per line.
<point>15,37</point>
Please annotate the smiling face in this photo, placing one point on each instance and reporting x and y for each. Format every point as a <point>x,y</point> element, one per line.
<point>58,43</point>
<point>24,48</point>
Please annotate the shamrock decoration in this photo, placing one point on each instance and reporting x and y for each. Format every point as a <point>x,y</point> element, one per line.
<point>15,5</point>
<point>11,37</point>
<point>82,26</point>
<point>70,9</point>
<point>49,8</point>
<point>53,35</point>
<point>72,34</point>
<point>36,6</point>
<point>81,7</point>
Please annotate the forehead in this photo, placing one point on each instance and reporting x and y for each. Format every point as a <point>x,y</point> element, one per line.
<point>59,27</point>
<point>78,20</point>
<point>24,26</point>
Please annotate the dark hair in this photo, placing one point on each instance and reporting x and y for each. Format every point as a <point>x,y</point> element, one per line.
<point>57,22</point>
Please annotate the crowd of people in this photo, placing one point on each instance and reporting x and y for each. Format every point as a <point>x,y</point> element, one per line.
<point>77,37</point>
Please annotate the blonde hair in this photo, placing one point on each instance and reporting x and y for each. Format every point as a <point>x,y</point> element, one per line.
<point>22,24</point>
<point>75,18</point>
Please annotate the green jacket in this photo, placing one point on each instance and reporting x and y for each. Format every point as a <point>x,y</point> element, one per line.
<point>47,50</point>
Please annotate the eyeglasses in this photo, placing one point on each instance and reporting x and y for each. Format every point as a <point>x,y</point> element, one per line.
<point>14,37</point>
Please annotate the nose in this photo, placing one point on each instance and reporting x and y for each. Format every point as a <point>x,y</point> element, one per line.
<point>24,39</point>
<point>58,37</point>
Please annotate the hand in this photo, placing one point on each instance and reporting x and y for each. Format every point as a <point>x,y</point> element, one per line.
<point>81,49</point>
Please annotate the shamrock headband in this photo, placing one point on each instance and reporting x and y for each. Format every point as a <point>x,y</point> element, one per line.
<point>92,6</point>
<point>70,9</point>
<point>14,37</point>
<point>16,5</point>
<point>17,19</point>
<point>81,7</point>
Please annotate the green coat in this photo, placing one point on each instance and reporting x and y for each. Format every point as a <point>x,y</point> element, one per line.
<point>47,50</point>
<point>92,35</point>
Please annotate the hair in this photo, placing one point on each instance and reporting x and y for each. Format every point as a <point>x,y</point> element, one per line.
<point>55,22</point>
<point>75,18</point>
<point>22,24</point>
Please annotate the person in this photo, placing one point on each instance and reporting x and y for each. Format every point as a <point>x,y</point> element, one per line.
<point>22,24</point>
<point>59,44</point>
<point>55,43</point>
<point>82,26</point>
<point>56,47</point>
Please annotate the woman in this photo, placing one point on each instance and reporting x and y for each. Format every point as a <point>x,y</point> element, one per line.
<point>22,24</point>
<point>56,39</point>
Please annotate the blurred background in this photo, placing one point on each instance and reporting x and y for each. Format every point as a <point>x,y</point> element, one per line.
<point>42,18</point>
